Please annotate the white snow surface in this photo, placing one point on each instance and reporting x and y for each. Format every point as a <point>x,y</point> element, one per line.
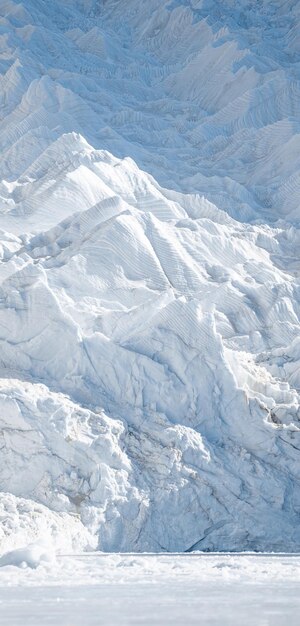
<point>149,296</point>
<point>151,590</point>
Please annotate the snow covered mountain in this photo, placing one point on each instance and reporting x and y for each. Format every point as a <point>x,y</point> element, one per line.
<point>150,257</point>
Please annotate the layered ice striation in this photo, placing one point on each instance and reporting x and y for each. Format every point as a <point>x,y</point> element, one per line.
<point>149,277</point>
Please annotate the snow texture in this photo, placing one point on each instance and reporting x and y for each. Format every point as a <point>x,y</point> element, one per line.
<point>149,277</point>
<point>151,590</point>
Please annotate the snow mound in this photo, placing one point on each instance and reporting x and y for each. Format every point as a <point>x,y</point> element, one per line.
<point>30,556</point>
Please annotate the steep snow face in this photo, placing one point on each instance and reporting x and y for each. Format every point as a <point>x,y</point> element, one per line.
<point>149,318</point>
<point>204,95</point>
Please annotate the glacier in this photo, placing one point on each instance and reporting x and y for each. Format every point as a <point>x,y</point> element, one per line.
<point>150,257</point>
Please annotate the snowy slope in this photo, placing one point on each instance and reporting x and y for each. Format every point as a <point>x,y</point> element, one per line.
<point>149,319</point>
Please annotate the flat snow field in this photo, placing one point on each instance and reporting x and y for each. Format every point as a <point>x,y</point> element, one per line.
<point>114,589</point>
